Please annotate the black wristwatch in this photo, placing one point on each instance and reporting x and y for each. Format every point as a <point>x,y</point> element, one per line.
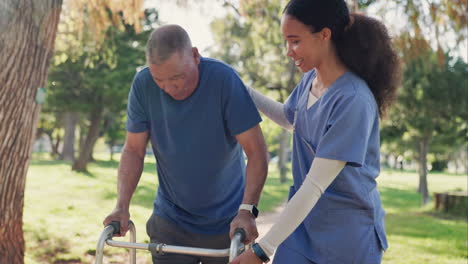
<point>251,208</point>
<point>258,251</point>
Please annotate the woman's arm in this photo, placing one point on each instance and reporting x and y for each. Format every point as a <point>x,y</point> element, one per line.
<point>320,176</point>
<point>272,109</point>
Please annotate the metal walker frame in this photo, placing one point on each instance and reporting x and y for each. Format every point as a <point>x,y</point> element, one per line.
<point>236,248</point>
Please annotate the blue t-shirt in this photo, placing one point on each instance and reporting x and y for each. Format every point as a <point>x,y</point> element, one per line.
<point>200,164</point>
<point>347,223</point>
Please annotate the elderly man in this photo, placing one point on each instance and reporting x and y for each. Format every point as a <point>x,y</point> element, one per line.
<point>199,117</point>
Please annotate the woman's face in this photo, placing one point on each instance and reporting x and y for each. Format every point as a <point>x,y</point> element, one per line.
<point>303,46</point>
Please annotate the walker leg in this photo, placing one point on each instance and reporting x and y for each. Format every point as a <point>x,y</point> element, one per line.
<point>131,228</point>
<point>106,234</point>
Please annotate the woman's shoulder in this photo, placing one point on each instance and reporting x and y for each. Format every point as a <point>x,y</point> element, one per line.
<point>351,90</point>
<point>351,85</point>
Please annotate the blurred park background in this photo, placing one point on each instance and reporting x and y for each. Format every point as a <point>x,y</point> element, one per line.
<point>67,67</point>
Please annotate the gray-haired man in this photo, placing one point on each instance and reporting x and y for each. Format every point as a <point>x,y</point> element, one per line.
<point>200,118</point>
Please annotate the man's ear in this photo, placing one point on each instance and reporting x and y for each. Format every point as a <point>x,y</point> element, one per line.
<point>196,55</point>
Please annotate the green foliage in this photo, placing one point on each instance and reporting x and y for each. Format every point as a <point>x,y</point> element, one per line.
<point>363,4</point>
<point>431,102</point>
<point>92,79</point>
<point>250,40</point>
<point>432,25</point>
<point>271,132</point>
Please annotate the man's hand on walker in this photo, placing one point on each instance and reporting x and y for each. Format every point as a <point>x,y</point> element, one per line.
<point>119,215</point>
<point>246,221</point>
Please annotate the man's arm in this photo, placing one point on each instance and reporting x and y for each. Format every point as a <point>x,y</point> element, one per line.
<point>254,146</point>
<point>130,169</point>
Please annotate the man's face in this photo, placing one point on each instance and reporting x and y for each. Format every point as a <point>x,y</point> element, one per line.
<point>178,75</point>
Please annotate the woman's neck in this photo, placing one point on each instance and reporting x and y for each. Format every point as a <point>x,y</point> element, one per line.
<point>329,71</point>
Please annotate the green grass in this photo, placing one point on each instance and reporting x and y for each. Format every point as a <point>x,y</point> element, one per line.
<point>418,234</point>
<point>64,210</point>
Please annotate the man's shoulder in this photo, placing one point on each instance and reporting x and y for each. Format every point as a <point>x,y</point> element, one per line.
<point>211,64</point>
<point>142,80</point>
<point>143,74</point>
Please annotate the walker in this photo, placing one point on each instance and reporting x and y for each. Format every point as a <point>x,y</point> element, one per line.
<point>237,245</point>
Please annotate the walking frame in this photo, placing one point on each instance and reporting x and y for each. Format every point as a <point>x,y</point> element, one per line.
<point>236,248</point>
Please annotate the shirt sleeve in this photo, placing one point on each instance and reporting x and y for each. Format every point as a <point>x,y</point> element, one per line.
<point>240,112</point>
<point>290,106</point>
<point>137,119</point>
<point>348,130</point>
<point>321,174</point>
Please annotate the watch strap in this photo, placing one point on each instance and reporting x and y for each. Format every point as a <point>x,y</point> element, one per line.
<point>258,251</point>
<point>251,208</point>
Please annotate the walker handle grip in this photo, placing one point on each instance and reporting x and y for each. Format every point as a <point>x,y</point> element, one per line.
<point>242,234</point>
<point>116,226</point>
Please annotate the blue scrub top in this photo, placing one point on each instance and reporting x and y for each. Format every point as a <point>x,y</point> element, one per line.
<point>347,223</point>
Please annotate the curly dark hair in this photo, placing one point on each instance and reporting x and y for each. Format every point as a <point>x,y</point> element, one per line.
<point>362,44</point>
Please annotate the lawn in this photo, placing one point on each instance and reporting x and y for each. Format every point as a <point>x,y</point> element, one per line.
<point>419,235</point>
<point>64,210</point>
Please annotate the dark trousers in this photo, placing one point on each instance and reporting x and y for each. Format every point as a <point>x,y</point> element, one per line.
<point>164,231</point>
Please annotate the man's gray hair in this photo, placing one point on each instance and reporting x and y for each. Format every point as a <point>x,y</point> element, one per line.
<point>165,41</point>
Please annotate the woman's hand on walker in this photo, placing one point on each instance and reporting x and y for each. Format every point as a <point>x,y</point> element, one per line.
<point>248,257</point>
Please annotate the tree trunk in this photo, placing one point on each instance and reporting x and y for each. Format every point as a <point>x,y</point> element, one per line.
<point>386,158</point>
<point>82,137</point>
<point>91,138</point>
<point>395,162</point>
<point>422,170</point>
<point>283,154</point>
<point>55,145</point>
<point>68,152</point>
<point>111,145</point>
<point>26,47</point>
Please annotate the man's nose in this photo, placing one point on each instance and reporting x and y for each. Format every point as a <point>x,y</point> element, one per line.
<point>169,87</point>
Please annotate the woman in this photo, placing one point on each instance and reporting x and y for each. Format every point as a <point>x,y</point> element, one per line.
<point>351,74</point>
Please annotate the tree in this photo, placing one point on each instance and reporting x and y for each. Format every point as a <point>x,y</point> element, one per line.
<point>359,5</point>
<point>114,130</point>
<point>32,26</point>
<point>440,23</point>
<point>106,81</point>
<point>26,46</point>
<point>49,125</point>
<point>64,83</point>
<point>431,31</point>
<point>432,108</point>
<point>250,40</point>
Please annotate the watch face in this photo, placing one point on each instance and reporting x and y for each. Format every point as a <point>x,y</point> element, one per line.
<point>255,211</point>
